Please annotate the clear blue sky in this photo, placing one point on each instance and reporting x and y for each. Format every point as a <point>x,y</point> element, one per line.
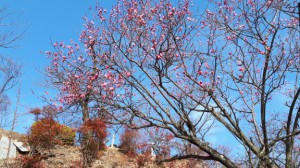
<point>45,21</point>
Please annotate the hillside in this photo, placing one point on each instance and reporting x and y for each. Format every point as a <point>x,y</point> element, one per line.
<point>69,157</point>
<point>66,157</point>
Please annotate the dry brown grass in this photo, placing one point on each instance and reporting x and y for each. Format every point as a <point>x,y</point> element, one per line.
<point>69,157</point>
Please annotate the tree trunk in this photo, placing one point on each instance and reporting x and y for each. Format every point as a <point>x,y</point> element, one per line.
<point>87,160</point>
<point>288,153</point>
<point>85,111</point>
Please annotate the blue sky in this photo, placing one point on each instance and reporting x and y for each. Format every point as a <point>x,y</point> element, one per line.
<point>44,21</point>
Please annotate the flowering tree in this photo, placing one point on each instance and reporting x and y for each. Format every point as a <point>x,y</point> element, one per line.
<point>77,74</point>
<point>159,140</point>
<point>164,67</point>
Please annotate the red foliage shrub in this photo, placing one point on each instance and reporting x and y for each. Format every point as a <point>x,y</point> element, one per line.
<point>96,130</point>
<point>77,164</point>
<point>142,159</point>
<point>48,111</point>
<point>46,132</point>
<point>35,111</point>
<point>129,141</point>
<point>93,134</point>
<point>30,162</point>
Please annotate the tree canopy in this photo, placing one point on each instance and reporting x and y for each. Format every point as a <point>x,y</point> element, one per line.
<point>156,64</point>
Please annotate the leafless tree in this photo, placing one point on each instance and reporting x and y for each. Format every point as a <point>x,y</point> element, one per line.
<point>9,32</point>
<point>9,70</point>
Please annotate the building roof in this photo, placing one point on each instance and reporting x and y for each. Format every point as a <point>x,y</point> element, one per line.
<point>21,147</point>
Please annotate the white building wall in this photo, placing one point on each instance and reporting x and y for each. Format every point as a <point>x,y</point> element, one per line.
<point>4,145</point>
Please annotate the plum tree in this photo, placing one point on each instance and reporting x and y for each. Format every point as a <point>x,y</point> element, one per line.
<point>236,65</point>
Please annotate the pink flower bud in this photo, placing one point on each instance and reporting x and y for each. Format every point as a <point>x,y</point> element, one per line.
<point>241,69</point>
